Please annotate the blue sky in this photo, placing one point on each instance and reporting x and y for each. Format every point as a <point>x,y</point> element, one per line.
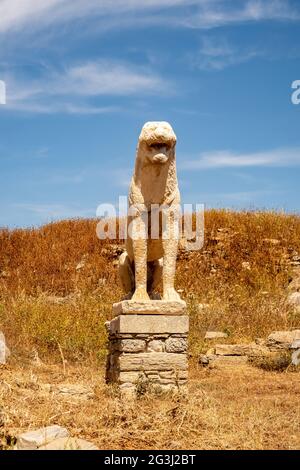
<point>82,77</point>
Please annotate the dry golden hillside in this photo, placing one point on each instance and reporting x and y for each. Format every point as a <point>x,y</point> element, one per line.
<point>57,282</point>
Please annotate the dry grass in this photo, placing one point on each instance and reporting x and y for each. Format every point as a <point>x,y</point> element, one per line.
<point>265,415</point>
<point>57,284</point>
<point>246,303</point>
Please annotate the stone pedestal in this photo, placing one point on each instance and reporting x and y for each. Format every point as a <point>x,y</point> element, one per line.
<point>148,346</point>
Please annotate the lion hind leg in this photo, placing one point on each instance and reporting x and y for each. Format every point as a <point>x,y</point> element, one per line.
<point>126,274</point>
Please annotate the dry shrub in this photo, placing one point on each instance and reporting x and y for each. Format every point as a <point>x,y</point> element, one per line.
<point>278,362</point>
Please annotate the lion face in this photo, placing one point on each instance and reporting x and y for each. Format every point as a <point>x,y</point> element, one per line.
<point>157,142</point>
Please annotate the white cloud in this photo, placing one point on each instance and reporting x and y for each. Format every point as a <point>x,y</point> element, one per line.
<point>226,159</point>
<point>18,15</point>
<point>104,78</point>
<point>68,91</point>
<point>218,53</point>
<point>73,89</point>
<point>221,13</point>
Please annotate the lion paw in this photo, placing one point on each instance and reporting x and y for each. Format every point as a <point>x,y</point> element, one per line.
<point>171,295</point>
<point>140,295</point>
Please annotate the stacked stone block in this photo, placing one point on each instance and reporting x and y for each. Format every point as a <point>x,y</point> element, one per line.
<point>148,346</point>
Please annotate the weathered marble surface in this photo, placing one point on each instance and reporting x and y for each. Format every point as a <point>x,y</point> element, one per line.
<point>151,243</point>
<point>151,307</point>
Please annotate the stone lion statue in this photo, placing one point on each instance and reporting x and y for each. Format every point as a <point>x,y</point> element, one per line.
<point>149,258</point>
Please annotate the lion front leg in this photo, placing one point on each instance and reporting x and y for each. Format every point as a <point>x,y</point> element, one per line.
<point>170,246</point>
<point>139,245</point>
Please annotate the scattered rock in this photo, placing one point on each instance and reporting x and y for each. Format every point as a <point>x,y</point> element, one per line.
<point>246,265</point>
<point>296,358</point>
<point>107,326</point>
<point>275,346</point>
<point>296,354</point>
<point>294,299</point>
<point>4,351</point>
<point>32,440</point>
<point>294,285</point>
<point>215,335</point>
<point>214,360</point>
<point>282,339</point>
<point>69,443</point>
<point>80,265</point>
<point>251,350</point>
<point>82,262</point>
<point>223,355</point>
<point>204,359</point>
<point>76,391</point>
<point>295,259</point>
<point>295,344</point>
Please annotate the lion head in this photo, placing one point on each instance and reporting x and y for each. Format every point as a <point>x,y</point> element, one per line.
<point>157,142</point>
